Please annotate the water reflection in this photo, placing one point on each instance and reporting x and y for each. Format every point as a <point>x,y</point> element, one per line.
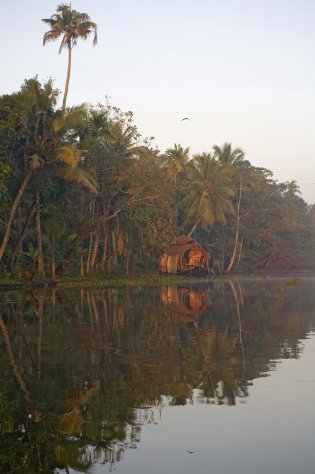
<point>185,302</point>
<point>83,371</point>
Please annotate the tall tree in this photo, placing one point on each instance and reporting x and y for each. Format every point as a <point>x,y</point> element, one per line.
<point>176,158</point>
<point>229,157</point>
<point>209,191</point>
<point>71,26</point>
<point>226,155</point>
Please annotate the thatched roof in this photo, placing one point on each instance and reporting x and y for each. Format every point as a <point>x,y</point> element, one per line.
<point>181,245</point>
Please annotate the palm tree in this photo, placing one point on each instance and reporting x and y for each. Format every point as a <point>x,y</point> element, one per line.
<point>227,156</point>
<point>176,158</point>
<point>42,144</point>
<point>291,188</point>
<point>209,191</point>
<point>71,26</point>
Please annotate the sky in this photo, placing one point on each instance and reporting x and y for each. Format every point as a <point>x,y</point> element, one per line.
<point>243,71</point>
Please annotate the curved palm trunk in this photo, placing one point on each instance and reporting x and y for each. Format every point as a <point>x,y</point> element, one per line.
<point>88,262</point>
<point>95,248</point>
<point>232,258</point>
<point>40,259</point>
<point>240,251</point>
<point>67,79</point>
<point>13,210</point>
<point>20,237</point>
<point>194,227</point>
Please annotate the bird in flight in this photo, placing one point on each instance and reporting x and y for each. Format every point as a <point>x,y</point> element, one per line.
<point>185,118</point>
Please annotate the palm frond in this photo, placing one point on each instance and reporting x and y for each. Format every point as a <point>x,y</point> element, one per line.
<point>51,35</point>
<point>77,175</point>
<point>69,119</point>
<point>71,25</point>
<point>69,155</point>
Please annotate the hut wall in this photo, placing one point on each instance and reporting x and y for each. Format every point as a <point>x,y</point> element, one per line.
<point>163,263</point>
<point>172,264</point>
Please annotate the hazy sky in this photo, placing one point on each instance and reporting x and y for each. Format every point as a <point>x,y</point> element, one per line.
<point>242,70</point>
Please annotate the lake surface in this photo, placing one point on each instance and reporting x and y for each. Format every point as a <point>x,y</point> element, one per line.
<point>211,379</point>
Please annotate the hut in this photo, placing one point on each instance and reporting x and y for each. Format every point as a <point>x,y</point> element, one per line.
<point>185,256</point>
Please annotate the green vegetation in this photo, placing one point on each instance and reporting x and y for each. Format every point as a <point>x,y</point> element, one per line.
<point>82,193</point>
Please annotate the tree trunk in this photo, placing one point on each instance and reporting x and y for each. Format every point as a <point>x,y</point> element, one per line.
<point>40,260</point>
<point>68,78</point>
<point>41,301</point>
<point>240,251</point>
<point>81,265</point>
<point>127,264</point>
<point>20,237</point>
<point>194,227</point>
<point>53,260</point>
<point>109,260</point>
<point>95,248</point>
<point>53,307</point>
<point>88,262</point>
<point>114,248</point>
<point>104,255</point>
<point>80,236</point>
<point>13,210</point>
<point>238,205</point>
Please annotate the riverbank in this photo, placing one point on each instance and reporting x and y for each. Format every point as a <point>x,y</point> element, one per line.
<point>108,281</point>
<point>151,279</point>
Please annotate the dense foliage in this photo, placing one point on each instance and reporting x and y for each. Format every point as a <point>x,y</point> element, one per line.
<point>82,191</point>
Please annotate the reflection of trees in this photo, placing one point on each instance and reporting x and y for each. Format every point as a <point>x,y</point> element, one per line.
<point>97,365</point>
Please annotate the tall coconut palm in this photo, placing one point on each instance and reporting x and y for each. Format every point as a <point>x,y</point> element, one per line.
<point>71,26</point>
<point>176,158</point>
<point>208,191</point>
<point>227,156</point>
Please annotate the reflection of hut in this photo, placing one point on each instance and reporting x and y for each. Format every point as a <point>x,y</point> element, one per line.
<point>184,256</point>
<point>185,302</point>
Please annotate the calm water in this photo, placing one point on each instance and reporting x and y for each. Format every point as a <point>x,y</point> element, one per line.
<point>212,379</point>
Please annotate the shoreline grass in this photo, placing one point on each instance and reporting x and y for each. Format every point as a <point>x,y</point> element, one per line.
<point>145,279</point>
<point>98,281</point>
